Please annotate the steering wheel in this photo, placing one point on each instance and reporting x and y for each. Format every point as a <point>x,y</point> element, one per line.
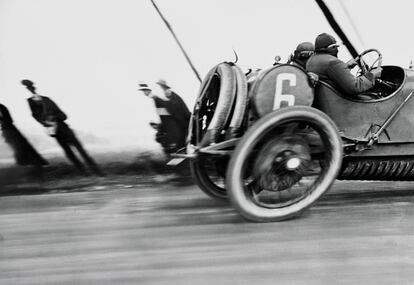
<point>363,67</point>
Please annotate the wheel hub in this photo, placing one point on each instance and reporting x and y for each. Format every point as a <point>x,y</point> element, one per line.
<point>293,163</point>
<point>281,163</point>
<point>287,160</point>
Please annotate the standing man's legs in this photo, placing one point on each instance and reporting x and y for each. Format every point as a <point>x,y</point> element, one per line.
<point>63,142</point>
<point>89,160</point>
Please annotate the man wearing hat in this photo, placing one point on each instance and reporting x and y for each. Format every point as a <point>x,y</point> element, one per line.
<point>301,54</point>
<point>170,133</point>
<point>177,107</point>
<point>325,63</point>
<point>47,113</point>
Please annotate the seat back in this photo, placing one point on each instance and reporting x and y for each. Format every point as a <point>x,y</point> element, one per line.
<point>323,92</point>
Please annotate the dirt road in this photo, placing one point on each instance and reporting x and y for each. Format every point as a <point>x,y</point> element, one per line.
<point>359,233</point>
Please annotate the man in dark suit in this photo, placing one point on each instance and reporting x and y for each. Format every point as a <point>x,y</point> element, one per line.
<point>171,131</point>
<point>24,152</point>
<point>47,113</point>
<point>178,110</point>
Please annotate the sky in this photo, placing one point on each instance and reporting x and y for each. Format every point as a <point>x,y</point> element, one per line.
<point>90,55</point>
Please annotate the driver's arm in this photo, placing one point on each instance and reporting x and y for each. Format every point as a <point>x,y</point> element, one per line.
<point>351,63</point>
<point>339,72</point>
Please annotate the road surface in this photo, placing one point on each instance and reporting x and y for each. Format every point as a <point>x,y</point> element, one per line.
<point>359,233</point>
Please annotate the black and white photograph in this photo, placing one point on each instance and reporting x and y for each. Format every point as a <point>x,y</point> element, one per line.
<point>206,142</point>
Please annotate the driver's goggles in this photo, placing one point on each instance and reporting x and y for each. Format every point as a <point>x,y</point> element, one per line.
<point>335,45</point>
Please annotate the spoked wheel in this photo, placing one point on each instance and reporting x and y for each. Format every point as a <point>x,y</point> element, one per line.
<point>283,164</point>
<point>209,173</point>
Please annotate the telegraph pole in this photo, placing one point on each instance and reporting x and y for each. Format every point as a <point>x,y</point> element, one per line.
<point>176,39</point>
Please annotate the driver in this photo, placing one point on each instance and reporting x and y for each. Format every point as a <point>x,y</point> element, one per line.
<point>337,73</point>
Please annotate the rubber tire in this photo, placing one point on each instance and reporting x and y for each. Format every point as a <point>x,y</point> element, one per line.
<point>234,177</point>
<point>227,95</point>
<point>203,181</point>
<point>240,106</point>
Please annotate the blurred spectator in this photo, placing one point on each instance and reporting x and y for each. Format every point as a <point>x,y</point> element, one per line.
<point>179,110</point>
<point>47,113</point>
<point>24,152</point>
<point>172,130</point>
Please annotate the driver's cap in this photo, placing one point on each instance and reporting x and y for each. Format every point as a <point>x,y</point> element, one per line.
<point>323,41</point>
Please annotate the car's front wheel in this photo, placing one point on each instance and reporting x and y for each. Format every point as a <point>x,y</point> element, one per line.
<point>208,173</point>
<point>283,164</point>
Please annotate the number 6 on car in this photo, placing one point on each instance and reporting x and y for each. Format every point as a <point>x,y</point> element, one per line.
<point>279,96</point>
<point>280,87</point>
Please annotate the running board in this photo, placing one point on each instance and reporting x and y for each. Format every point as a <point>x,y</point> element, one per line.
<point>213,149</point>
<point>220,148</point>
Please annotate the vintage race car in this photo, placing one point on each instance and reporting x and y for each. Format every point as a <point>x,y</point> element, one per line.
<point>273,141</point>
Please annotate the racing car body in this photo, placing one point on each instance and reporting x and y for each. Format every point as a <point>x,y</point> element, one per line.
<point>279,138</point>
<point>356,118</point>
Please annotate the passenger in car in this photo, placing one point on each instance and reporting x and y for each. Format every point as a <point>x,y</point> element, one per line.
<point>302,54</point>
<point>325,63</point>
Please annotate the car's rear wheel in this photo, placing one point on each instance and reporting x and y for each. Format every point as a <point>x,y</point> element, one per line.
<point>218,115</point>
<point>209,173</point>
<point>283,164</point>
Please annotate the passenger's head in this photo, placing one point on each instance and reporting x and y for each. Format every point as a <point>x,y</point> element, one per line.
<point>144,88</point>
<point>29,85</point>
<point>302,53</point>
<point>325,43</point>
<point>304,50</point>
